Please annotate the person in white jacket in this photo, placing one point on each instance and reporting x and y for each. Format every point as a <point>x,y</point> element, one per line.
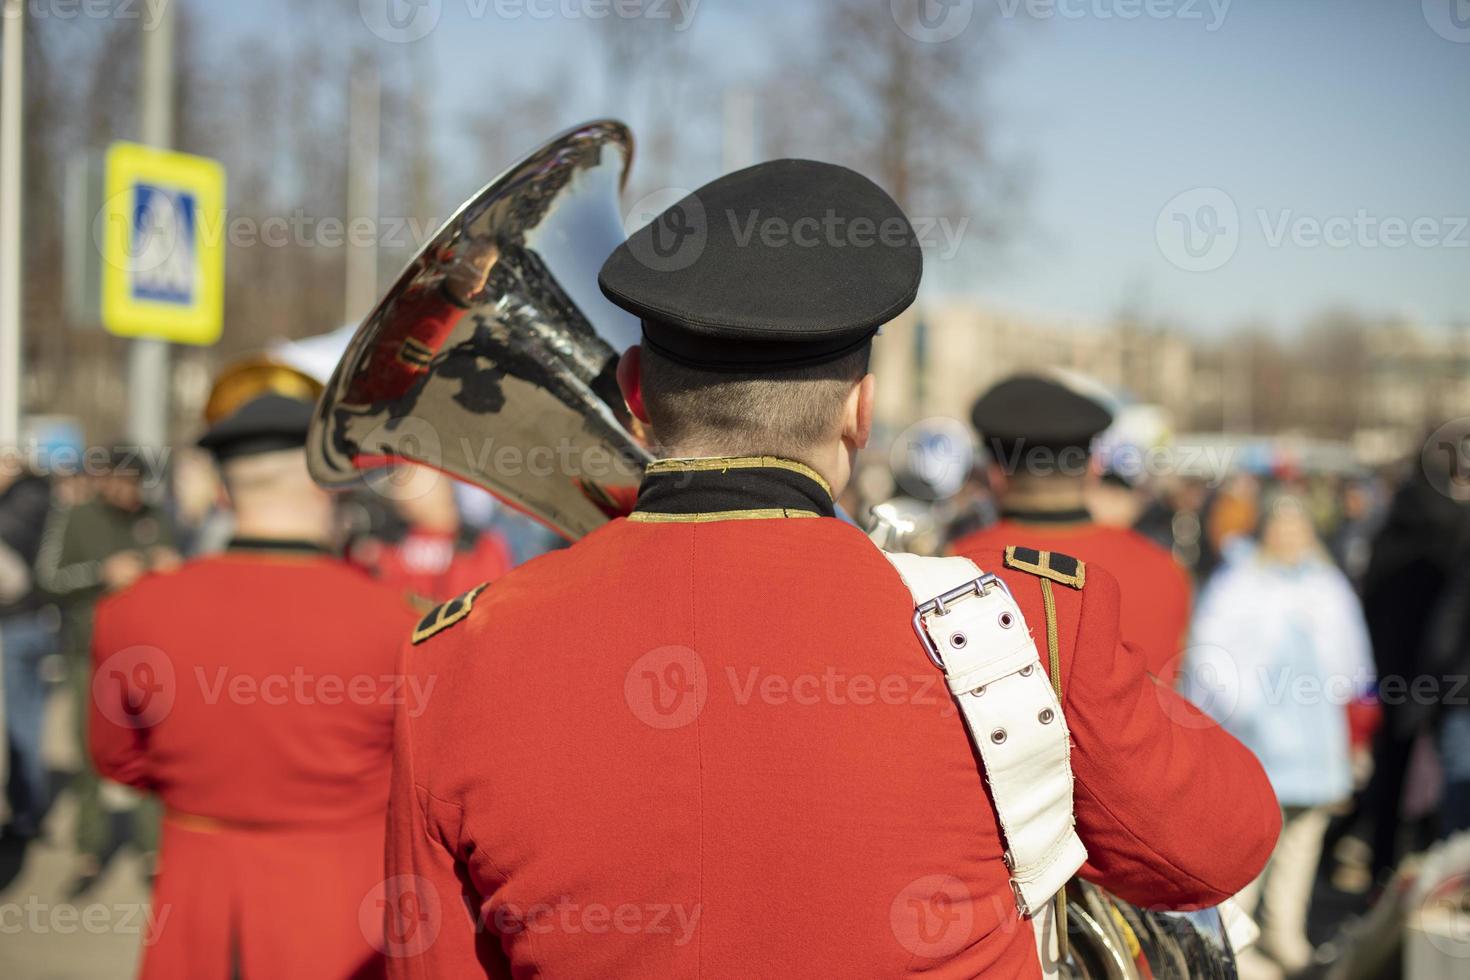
<point>1278,649</point>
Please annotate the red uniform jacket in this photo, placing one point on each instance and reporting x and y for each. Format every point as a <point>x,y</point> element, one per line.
<point>1156,590</point>
<point>254,692</point>
<point>705,743</point>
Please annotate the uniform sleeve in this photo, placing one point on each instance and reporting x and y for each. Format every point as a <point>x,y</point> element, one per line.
<point>429,930</point>
<point>1175,813</point>
<point>117,732</point>
<point>1179,621</point>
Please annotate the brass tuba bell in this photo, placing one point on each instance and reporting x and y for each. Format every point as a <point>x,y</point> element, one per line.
<point>492,358</point>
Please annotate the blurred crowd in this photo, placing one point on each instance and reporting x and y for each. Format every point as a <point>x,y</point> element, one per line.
<point>1330,632</point>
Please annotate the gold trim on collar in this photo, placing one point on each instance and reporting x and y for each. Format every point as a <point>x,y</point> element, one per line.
<point>646,517</point>
<point>696,464</point>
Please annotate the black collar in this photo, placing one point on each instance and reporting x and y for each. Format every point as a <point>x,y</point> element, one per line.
<point>730,488</point>
<point>1074,515</point>
<point>292,546</point>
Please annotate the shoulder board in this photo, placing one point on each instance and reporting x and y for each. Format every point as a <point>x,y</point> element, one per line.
<point>445,616</point>
<point>1054,565</point>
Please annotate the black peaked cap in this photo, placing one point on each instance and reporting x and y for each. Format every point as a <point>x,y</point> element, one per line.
<point>781,264</point>
<point>265,424</point>
<point>1038,411</point>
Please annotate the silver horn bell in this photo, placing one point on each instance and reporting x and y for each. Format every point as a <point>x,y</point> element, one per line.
<point>492,358</point>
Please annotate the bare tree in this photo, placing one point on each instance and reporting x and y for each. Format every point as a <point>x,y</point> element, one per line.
<point>648,63</point>
<point>880,93</point>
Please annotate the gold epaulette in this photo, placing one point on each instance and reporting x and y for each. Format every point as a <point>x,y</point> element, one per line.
<point>1054,565</point>
<point>445,616</point>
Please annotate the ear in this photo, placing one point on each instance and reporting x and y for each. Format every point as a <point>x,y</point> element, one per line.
<point>629,383</point>
<point>1094,469</point>
<point>857,414</point>
<point>996,477</point>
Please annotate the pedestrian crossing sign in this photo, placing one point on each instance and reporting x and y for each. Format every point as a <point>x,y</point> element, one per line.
<point>161,232</point>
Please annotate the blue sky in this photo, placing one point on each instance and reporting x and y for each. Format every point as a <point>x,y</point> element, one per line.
<point>1330,138</point>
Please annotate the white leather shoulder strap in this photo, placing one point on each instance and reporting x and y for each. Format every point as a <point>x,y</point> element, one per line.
<point>974,632</point>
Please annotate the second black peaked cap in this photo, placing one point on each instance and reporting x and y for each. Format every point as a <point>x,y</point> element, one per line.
<point>1038,411</point>
<point>783,264</point>
<point>267,423</point>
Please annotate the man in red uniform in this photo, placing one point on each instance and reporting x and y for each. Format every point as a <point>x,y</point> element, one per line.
<point>1039,433</point>
<point>705,740</point>
<point>254,692</point>
<point>423,547</point>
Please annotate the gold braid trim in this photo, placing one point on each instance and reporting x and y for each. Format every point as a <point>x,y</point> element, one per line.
<point>764,513</point>
<point>697,464</point>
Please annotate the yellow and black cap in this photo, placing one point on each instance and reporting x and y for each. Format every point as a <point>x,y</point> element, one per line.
<point>783,264</point>
<point>267,423</point>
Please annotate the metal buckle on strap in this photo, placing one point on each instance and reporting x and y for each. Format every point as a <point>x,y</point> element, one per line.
<point>1021,906</point>
<point>939,606</point>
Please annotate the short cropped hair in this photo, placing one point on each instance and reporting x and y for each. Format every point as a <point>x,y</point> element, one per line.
<point>283,468</point>
<point>727,413</point>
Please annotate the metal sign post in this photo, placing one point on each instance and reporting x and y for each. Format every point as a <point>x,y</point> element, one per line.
<point>12,108</point>
<point>148,375</point>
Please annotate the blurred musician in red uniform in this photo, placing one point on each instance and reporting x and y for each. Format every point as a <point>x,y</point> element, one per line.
<point>253,691</point>
<point>705,741</point>
<point>1039,432</point>
<point>423,547</point>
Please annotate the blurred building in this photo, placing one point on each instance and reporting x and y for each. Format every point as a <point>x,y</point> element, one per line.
<point>952,350</point>
<point>1416,375</point>
<point>1378,385</point>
